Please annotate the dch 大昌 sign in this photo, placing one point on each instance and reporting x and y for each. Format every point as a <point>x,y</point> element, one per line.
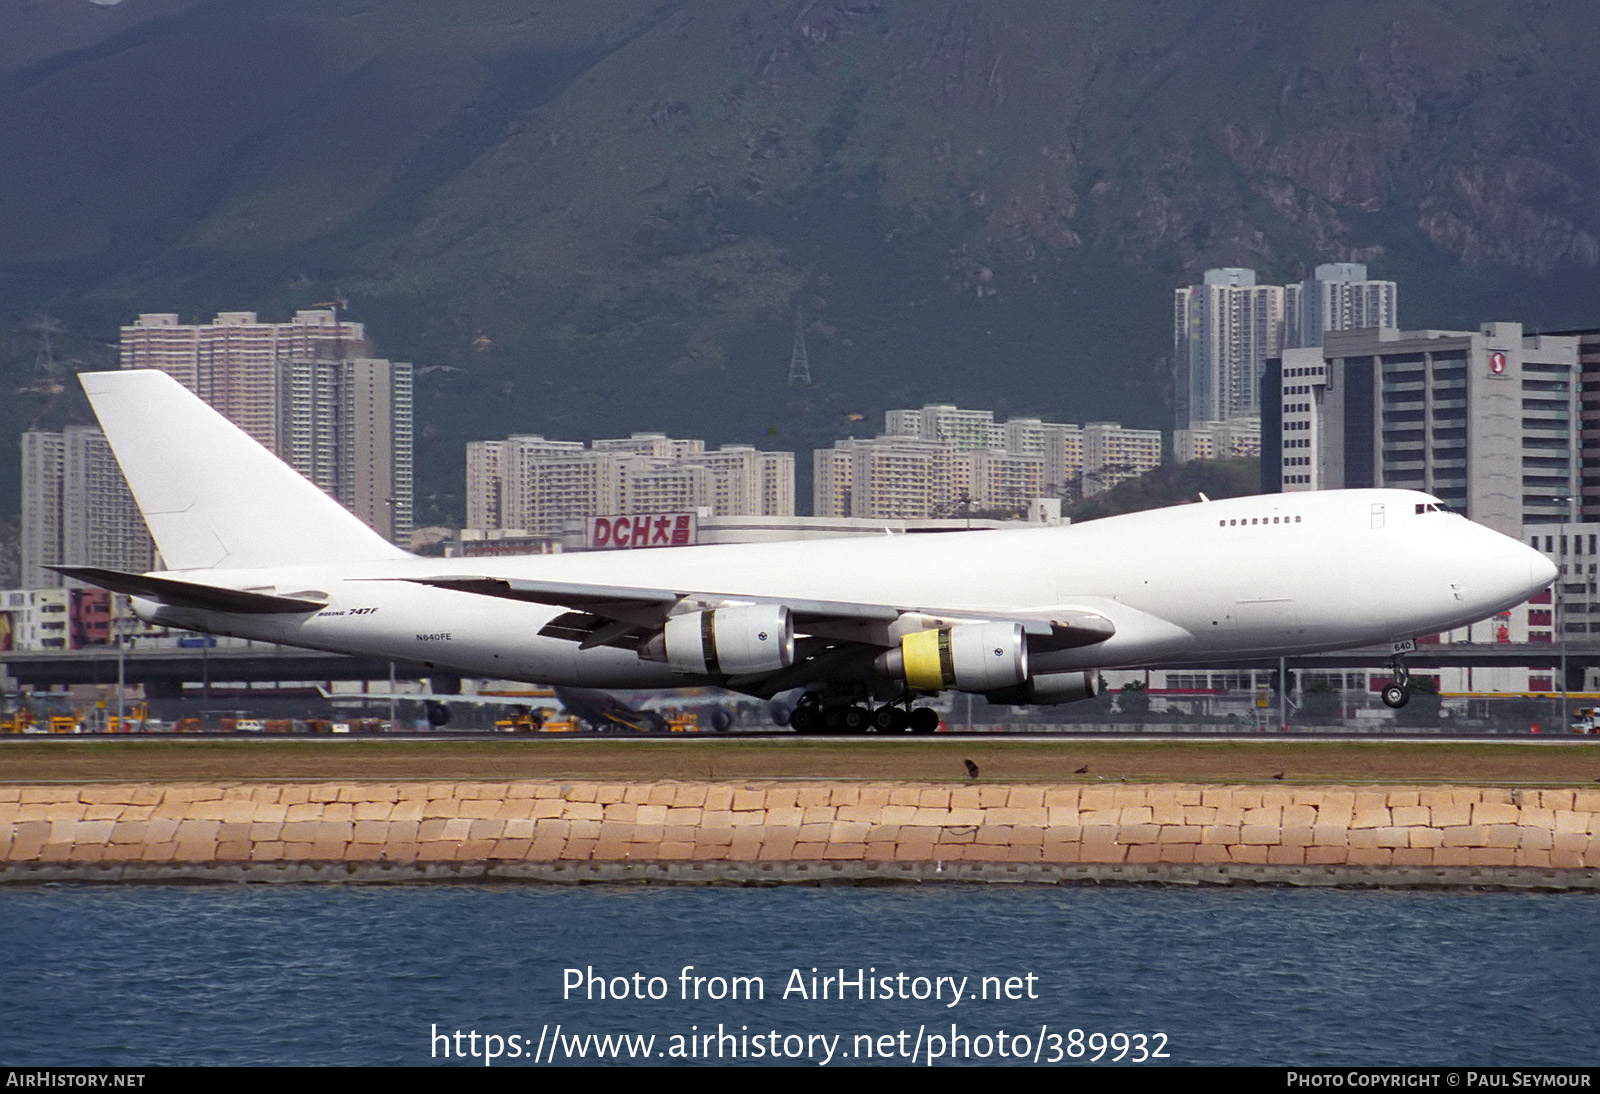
<point>641,530</point>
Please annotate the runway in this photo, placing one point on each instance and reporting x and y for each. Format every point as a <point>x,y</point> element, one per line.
<point>1055,758</point>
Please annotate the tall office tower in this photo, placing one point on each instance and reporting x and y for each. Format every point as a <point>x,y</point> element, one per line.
<point>232,361</point>
<point>1589,423</point>
<point>1487,420</point>
<point>76,508</point>
<point>1338,296</point>
<point>1113,454</point>
<point>1223,331</point>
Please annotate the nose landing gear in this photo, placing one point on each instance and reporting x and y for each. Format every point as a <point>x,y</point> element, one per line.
<point>1397,694</point>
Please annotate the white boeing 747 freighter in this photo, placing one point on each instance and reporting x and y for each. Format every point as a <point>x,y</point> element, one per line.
<point>864,626</point>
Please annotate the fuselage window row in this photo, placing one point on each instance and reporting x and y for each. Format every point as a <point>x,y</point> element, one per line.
<point>1255,520</point>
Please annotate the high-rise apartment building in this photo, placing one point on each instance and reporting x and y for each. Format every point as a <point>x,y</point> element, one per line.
<point>532,485</point>
<point>1060,443</point>
<point>1223,330</point>
<point>375,472</point>
<point>484,477</point>
<point>77,509</point>
<point>43,462</point>
<point>1338,296</point>
<point>1112,453</point>
<point>962,430</point>
<point>1233,440</point>
<point>346,425</point>
<point>777,483</point>
<point>309,390</point>
<point>232,362</point>
<point>942,461</point>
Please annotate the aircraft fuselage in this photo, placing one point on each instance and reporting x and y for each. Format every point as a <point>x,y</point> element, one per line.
<point>1233,579</point>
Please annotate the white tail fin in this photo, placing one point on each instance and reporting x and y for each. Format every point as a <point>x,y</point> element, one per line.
<point>212,496</point>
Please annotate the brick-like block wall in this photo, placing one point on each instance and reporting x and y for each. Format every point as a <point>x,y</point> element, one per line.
<point>530,821</point>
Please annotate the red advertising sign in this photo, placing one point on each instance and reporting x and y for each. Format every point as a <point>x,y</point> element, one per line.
<point>1497,363</point>
<point>641,530</point>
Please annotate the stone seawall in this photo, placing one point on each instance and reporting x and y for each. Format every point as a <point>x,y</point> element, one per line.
<point>1194,832</point>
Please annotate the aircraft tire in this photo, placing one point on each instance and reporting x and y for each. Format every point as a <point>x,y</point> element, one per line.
<point>805,719</point>
<point>1395,696</point>
<point>924,720</point>
<point>889,720</point>
<point>855,719</point>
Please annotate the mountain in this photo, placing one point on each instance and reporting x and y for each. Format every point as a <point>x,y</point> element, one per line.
<point>599,217</point>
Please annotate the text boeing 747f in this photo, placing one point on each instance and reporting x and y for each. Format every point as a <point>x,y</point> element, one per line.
<point>863,625</point>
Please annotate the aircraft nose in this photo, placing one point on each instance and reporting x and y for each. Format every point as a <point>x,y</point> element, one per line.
<point>1505,571</point>
<point>1541,571</point>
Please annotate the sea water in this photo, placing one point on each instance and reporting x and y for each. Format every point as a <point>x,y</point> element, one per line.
<point>516,975</point>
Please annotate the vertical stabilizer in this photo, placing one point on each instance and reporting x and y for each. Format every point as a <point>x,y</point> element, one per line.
<point>212,496</point>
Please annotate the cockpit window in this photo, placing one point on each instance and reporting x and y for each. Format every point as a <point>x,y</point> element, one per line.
<point>1431,507</point>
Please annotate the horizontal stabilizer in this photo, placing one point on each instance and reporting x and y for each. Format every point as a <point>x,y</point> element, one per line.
<point>188,594</point>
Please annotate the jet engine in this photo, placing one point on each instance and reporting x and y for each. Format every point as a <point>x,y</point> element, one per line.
<point>726,641</point>
<point>968,656</point>
<point>1047,688</point>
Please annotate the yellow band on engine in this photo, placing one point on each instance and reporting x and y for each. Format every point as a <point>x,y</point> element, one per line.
<point>926,655</point>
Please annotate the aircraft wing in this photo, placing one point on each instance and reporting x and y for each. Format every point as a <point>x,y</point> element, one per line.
<point>628,617</point>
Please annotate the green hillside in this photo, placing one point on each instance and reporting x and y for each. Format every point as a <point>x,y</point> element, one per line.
<point>602,217</point>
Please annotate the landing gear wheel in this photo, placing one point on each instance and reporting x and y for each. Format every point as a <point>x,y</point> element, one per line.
<point>805,719</point>
<point>1397,694</point>
<point>924,720</point>
<point>890,720</point>
<point>855,719</point>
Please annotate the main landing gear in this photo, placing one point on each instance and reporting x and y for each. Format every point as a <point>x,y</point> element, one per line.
<point>823,714</point>
<point>1397,694</point>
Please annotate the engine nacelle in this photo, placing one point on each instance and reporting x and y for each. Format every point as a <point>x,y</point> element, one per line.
<point>727,641</point>
<point>1048,688</point>
<point>967,656</point>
